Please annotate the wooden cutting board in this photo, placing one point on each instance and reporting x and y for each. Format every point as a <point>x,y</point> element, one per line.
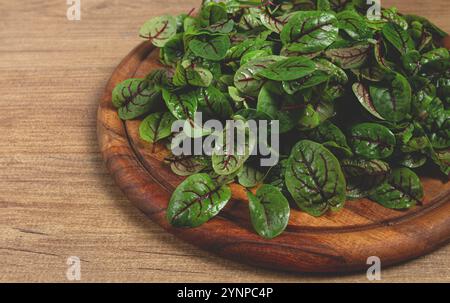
<point>336,242</point>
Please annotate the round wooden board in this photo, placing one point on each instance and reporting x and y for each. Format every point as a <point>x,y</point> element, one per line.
<point>336,242</point>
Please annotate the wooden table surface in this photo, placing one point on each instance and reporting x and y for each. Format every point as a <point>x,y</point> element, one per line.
<point>56,197</point>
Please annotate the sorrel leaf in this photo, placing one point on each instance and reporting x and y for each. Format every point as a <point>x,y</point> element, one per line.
<point>246,78</point>
<point>214,103</point>
<point>269,211</point>
<point>393,101</point>
<point>187,165</point>
<point>315,179</point>
<point>363,96</point>
<point>350,57</point>
<point>353,24</point>
<point>251,176</point>
<point>289,69</point>
<point>309,31</point>
<point>330,136</point>
<point>210,47</point>
<point>274,23</point>
<point>135,97</point>
<point>156,126</point>
<point>159,30</point>
<point>196,201</point>
<point>372,141</point>
<point>398,37</point>
<point>402,190</point>
<point>182,106</point>
<point>363,176</point>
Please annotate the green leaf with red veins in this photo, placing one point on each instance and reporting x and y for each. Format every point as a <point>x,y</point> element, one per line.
<point>309,31</point>
<point>269,211</point>
<point>197,200</point>
<point>246,78</point>
<point>402,190</point>
<point>350,57</point>
<point>214,103</point>
<point>372,141</point>
<point>394,101</point>
<point>186,165</point>
<point>353,24</point>
<point>398,37</point>
<point>252,175</point>
<point>182,106</point>
<point>234,148</point>
<point>275,23</point>
<point>289,69</point>
<point>315,179</point>
<point>223,27</point>
<point>213,13</point>
<point>363,176</point>
<point>135,97</point>
<point>212,48</point>
<point>272,101</point>
<point>156,126</point>
<point>331,137</point>
<point>362,93</point>
<point>159,30</point>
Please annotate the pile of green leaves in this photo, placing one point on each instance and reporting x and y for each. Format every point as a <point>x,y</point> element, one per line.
<point>361,103</point>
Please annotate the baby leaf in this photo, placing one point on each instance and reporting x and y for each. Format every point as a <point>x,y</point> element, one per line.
<point>353,24</point>
<point>274,23</point>
<point>214,103</point>
<point>393,102</point>
<point>159,30</point>
<point>246,78</point>
<point>134,98</point>
<point>411,62</point>
<point>156,126</point>
<point>173,50</point>
<point>227,164</point>
<point>195,76</point>
<point>213,13</point>
<point>196,200</point>
<point>312,80</point>
<point>413,160</point>
<point>181,105</point>
<point>442,159</point>
<point>351,57</point>
<point>331,136</point>
<point>251,176</point>
<point>274,103</point>
<point>370,72</point>
<point>309,31</point>
<point>222,27</point>
<point>249,56</point>
<point>238,51</point>
<point>364,98</point>
<point>398,37</point>
<point>363,176</point>
<point>269,211</point>
<point>336,73</point>
<point>289,69</point>
<point>372,141</point>
<point>186,165</point>
<point>231,154</point>
<point>315,179</point>
<point>402,190</point>
<point>210,47</point>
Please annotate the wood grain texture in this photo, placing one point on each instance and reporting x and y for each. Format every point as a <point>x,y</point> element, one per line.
<point>56,197</point>
<point>335,242</point>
